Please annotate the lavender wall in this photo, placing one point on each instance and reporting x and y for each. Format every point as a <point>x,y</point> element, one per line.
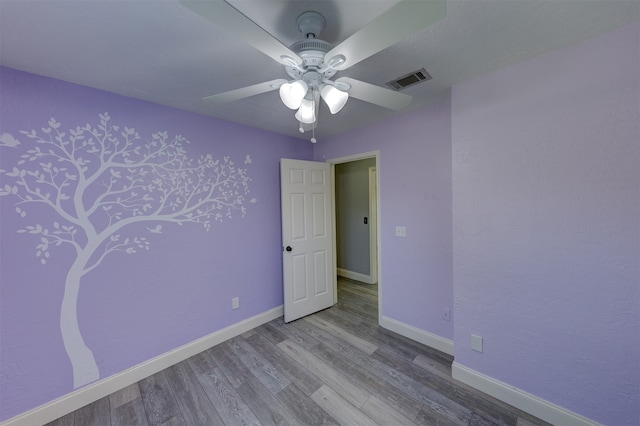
<point>546,217</point>
<point>130,307</point>
<point>414,173</point>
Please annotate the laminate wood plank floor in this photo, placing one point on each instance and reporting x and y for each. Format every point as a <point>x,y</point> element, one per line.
<point>336,367</point>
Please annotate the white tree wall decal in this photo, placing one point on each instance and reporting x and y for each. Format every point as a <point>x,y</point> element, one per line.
<point>99,181</point>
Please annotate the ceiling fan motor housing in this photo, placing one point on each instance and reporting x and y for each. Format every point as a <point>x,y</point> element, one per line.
<point>311,49</point>
<point>312,52</point>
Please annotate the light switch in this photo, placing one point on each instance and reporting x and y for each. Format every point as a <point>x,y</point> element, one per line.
<point>401,231</point>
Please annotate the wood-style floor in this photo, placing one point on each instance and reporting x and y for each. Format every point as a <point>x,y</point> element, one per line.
<point>334,367</point>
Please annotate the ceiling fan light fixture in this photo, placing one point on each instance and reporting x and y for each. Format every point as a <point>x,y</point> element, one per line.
<point>307,112</point>
<point>293,93</point>
<point>334,98</point>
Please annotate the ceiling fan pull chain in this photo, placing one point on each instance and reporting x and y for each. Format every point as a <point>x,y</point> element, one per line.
<point>316,107</point>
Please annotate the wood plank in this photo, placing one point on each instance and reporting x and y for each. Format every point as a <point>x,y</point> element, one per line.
<point>394,339</point>
<point>357,342</point>
<point>339,408</point>
<point>340,317</point>
<point>358,309</point>
<point>236,372</point>
<point>429,416</point>
<point>97,413</point>
<point>302,339</point>
<point>482,404</point>
<point>248,334</point>
<point>124,395</point>
<point>175,421</point>
<point>295,372</point>
<point>260,367</point>
<point>478,420</point>
<point>432,366</point>
<point>345,387</point>
<point>269,409</point>
<point>131,413</point>
<point>158,401</point>
<point>195,407</point>
<point>271,333</point>
<point>384,414</point>
<point>401,401</point>
<point>306,411</point>
<point>360,290</point>
<point>228,403</point>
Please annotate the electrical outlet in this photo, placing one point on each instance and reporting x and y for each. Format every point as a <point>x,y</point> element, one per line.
<point>401,231</point>
<point>446,314</point>
<point>476,343</point>
<point>235,303</point>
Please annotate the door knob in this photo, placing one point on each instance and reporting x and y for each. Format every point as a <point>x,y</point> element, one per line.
<point>288,248</point>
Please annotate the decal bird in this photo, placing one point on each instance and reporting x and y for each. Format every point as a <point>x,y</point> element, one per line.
<point>156,230</point>
<point>7,139</point>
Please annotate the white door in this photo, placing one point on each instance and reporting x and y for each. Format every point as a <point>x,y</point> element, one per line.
<point>306,237</point>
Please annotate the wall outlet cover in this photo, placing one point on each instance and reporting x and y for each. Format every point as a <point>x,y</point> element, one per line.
<point>446,314</point>
<point>476,343</point>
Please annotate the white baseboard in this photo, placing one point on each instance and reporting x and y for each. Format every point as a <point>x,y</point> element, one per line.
<point>90,393</point>
<point>527,402</point>
<point>414,333</point>
<point>355,276</point>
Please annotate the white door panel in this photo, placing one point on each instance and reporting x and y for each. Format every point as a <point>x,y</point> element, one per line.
<point>306,235</point>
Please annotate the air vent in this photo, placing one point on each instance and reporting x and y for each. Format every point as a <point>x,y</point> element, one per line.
<point>409,79</point>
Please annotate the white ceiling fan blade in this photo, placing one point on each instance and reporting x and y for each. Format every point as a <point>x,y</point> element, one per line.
<point>245,92</point>
<point>396,24</point>
<point>375,94</point>
<point>223,15</point>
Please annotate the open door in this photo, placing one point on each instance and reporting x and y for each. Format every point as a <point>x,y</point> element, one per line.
<point>306,237</point>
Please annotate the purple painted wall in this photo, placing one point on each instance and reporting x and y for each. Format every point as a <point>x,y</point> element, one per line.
<point>546,217</point>
<point>131,307</point>
<point>414,172</point>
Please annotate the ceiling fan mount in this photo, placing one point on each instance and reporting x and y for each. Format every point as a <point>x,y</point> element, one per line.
<point>311,24</point>
<point>312,62</point>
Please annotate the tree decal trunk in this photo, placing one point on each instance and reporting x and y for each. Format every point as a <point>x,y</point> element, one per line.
<point>98,181</point>
<point>85,369</point>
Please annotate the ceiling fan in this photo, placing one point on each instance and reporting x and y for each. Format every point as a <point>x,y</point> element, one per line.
<point>311,62</point>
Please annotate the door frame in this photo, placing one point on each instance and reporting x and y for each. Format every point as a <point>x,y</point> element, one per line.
<point>378,272</point>
<point>373,223</point>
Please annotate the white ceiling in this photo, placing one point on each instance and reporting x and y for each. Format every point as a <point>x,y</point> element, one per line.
<point>159,51</point>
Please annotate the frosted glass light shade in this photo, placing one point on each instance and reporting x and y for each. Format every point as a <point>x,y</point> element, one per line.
<point>334,98</point>
<point>293,93</point>
<point>307,112</point>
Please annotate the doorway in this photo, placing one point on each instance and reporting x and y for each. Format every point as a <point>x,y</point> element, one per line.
<point>356,222</point>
